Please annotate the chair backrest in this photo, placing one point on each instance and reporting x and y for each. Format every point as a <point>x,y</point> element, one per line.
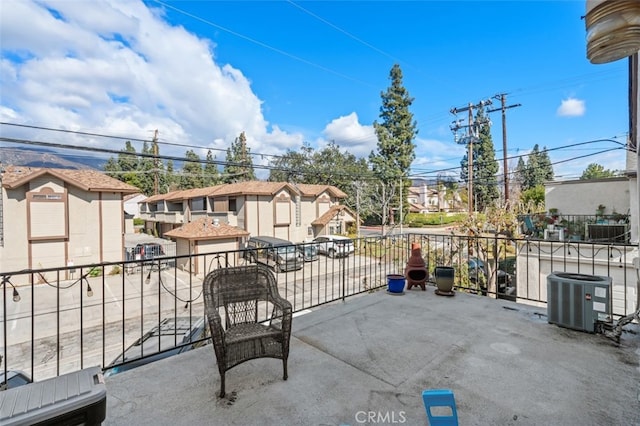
<point>239,290</point>
<point>528,223</point>
<point>444,403</point>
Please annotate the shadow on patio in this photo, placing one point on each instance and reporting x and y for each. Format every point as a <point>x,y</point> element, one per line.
<point>367,360</point>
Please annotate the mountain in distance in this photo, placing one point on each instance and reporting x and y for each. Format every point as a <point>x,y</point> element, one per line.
<point>42,157</point>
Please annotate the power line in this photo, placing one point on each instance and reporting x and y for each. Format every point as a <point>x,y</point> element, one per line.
<point>348,34</point>
<point>503,99</point>
<point>268,167</point>
<point>261,44</point>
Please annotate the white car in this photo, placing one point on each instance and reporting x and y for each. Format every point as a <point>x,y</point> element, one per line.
<point>334,245</point>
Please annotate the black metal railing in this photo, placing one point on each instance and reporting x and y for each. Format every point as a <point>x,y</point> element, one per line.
<point>57,320</point>
<point>613,228</point>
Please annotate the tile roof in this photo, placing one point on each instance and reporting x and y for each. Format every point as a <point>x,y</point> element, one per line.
<point>315,190</point>
<point>331,213</point>
<point>417,207</point>
<point>205,229</point>
<point>248,188</point>
<point>252,188</point>
<point>186,194</point>
<point>88,180</point>
<point>131,196</point>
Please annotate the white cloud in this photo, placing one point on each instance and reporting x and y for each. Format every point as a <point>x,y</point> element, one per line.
<point>349,134</point>
<point>437,157</point>
<point>571,107</point>
<point>116,67</point>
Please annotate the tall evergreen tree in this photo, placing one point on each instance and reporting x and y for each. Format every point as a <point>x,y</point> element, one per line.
<point>128,165</point>
<point>538,169</point>
<point>545,165</point>
<point>395,149</point>
<point>596,171</point>
<point>211,173</point>
<point>485,166</point>
<point>112,168</point>
<point>191,171</point>
<point>238,164</point>
<point>172,182</point>
<point>147,169</point>
<point>519,174</point>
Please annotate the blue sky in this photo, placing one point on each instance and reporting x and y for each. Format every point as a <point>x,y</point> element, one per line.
<point>288,73</point>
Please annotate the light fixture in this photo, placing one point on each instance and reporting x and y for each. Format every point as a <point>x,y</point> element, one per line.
<point>89,290</point>
<point>148,279</point>
<point>613,29</point>
<point>6,280</point>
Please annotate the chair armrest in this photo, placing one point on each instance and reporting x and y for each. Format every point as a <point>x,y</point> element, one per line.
<point>282,311</point>
<point>215,328</point>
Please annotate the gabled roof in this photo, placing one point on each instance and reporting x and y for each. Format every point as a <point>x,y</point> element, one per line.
<point>315,190</point>
<point>87,180</point>
<point>186,194</point>
<point>331,213</point>
<point>417,207</point>
<point>253,187</point>
<point>132,196</point>
<point>205,229</point>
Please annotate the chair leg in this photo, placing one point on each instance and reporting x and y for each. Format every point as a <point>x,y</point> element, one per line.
<point>284,365</point>
<point>222,385</point>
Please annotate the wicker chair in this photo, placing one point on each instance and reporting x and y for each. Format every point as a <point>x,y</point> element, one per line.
<point>257,320</point>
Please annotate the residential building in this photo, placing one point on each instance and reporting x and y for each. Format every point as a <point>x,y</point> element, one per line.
<point>423,199</point>
<point>295,212</point>
<point>57,217</point>
<point>132,210</point>
<point>206,235</point>
<point>132,204</point>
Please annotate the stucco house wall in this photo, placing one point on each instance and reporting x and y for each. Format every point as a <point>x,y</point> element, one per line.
<point>54,217</point>
<point>537,259</point>
<point>582,197</point>
<point>277,209</point>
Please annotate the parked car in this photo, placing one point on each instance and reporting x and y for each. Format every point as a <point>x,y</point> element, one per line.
<point>334,245</point>
<point>281,255</point>
<point>14,379</point>
<point>309,251</point>
<point>478,275</point>
<point>169,333</point>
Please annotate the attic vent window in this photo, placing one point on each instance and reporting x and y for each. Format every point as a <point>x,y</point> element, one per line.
<point>47,197</point>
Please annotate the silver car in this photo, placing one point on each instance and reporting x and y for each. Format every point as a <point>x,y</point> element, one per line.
<point>334,245</point>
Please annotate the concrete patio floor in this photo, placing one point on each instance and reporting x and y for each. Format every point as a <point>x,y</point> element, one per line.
<point>367,360</point>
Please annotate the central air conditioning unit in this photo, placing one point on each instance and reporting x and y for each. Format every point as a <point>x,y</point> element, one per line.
<point>578,301</point>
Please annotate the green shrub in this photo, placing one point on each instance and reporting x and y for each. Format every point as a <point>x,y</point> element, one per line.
<point>419,220</point>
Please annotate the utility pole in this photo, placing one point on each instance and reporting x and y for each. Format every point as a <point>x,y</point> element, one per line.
<point>503,100</point>
<point>473,128</point>
<point>156,183</point>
